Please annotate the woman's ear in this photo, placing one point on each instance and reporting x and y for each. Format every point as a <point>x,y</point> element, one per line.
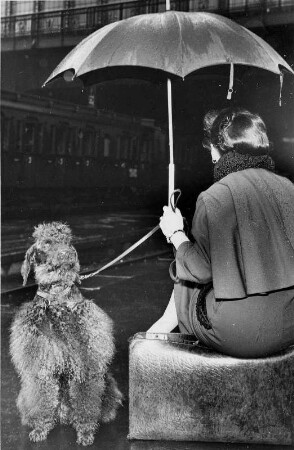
<point>26,265</point>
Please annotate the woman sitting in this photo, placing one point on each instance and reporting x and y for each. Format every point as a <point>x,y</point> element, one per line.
<point>235,289</point>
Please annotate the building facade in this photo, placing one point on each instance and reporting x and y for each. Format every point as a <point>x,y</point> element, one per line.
<point>46,143</point>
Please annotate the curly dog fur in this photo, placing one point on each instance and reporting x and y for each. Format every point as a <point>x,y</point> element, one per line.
<point>62,344</point>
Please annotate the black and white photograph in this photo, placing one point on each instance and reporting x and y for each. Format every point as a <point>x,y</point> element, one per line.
<point>147,224</point>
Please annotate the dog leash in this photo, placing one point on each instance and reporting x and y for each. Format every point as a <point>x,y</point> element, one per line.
<point>122,255</point>
<point>134,246</point>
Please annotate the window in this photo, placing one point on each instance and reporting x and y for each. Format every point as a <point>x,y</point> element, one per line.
<point>62,139</point>
<point>106,149</point>
<point>40,138</point>
<point>5,8</point>
<point>134,149</point>
<point>89,142</point>
<point>125,146</point>
<point>80,141</point>
<point>29,137</point>
<point>150,150</point>
<point>242,5</point>
<point>118,147</point>
<point>18,140</point>
<point>24,7</point>
<point>158,149</point>
<point>51,5</point>
<point>71,142</point>
<point>5,127</point>
<point>52,139</point>
<point>99,143</point>
<point>72,148</point>
<point>86,3</point>
<point>146,150</point>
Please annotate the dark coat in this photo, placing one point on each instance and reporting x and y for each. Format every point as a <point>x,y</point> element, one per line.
<point>244,235</point>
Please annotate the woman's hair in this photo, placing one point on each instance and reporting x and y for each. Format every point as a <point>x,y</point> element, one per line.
<point>236,129</point>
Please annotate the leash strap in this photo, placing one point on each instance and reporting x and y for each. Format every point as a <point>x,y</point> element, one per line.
<point>122,255</point>
<point>143,239</point>
<point>174,200</point>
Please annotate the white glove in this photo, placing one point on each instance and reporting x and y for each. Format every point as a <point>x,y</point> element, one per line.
<point>171,221</point>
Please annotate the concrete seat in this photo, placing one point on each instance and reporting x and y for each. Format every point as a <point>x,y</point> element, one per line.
<point>180,390</point>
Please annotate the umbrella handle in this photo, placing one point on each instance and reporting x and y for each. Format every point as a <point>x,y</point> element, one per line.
<point>173,200</point>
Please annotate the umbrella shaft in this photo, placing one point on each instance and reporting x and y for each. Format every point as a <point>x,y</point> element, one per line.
<point>167,5</point>
<point>171,174</point>
<point>170,122</point>
<point>171,182</point>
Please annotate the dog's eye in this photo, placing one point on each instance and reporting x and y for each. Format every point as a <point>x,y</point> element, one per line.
<point>40,256</point>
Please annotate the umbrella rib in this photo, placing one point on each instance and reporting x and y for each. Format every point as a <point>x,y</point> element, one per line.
<point>259,44</point>
<point>114,25</point>
<point>181,42</point>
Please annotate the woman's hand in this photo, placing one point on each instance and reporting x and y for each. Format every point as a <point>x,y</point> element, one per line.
<point>171,221</point>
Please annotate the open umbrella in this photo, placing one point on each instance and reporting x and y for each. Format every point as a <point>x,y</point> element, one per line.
<point>167,46</point>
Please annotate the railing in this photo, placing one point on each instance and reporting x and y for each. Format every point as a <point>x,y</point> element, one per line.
<point>31,101</point>
<point>81,21</point>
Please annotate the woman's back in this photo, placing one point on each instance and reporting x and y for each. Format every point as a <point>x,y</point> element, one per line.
<point>250,217</point>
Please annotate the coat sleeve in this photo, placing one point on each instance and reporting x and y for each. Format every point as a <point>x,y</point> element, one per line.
<point>193,259</point>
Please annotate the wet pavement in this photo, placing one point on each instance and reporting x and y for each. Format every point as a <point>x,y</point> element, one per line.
<point>16,234</point>
<point>134,295</point>
<point>98,238</point>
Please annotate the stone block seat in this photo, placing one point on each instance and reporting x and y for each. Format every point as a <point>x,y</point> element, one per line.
<point>180,390</point>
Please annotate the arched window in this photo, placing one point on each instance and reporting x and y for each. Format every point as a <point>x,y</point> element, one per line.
<point>30,136</point>
<point>118,147</point>
<point>134,149</point>
<point>125,146</point>
<point>5,133</point>
<point>89,142</point>
<point>144,150</point>
<point>62,139</point>
<point>99,144</point>
<point>106,148</point>
<point>80,141</point>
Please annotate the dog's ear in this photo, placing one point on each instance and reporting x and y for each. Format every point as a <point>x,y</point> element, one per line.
<point>26,265</point>
<point>76,265</point>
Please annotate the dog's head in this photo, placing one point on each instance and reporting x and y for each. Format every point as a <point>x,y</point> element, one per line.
<point>52,256</point>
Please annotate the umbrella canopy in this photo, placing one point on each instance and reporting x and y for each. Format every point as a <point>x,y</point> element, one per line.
<point>174,43</point>
<point>167,45</point>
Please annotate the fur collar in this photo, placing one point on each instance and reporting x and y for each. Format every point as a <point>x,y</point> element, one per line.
<point>234,162</point>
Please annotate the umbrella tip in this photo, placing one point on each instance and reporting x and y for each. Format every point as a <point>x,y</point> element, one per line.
<point>69,75</point>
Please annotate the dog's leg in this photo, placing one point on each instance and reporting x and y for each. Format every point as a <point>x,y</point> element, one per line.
<point>86,403</point>
<point>37,403</point>
<point>112,399</point>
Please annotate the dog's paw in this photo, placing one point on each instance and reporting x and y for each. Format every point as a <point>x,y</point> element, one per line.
<point>64,413</point>
<point>86,438</point>
<point>109,416</point>
<point>38,435</point>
